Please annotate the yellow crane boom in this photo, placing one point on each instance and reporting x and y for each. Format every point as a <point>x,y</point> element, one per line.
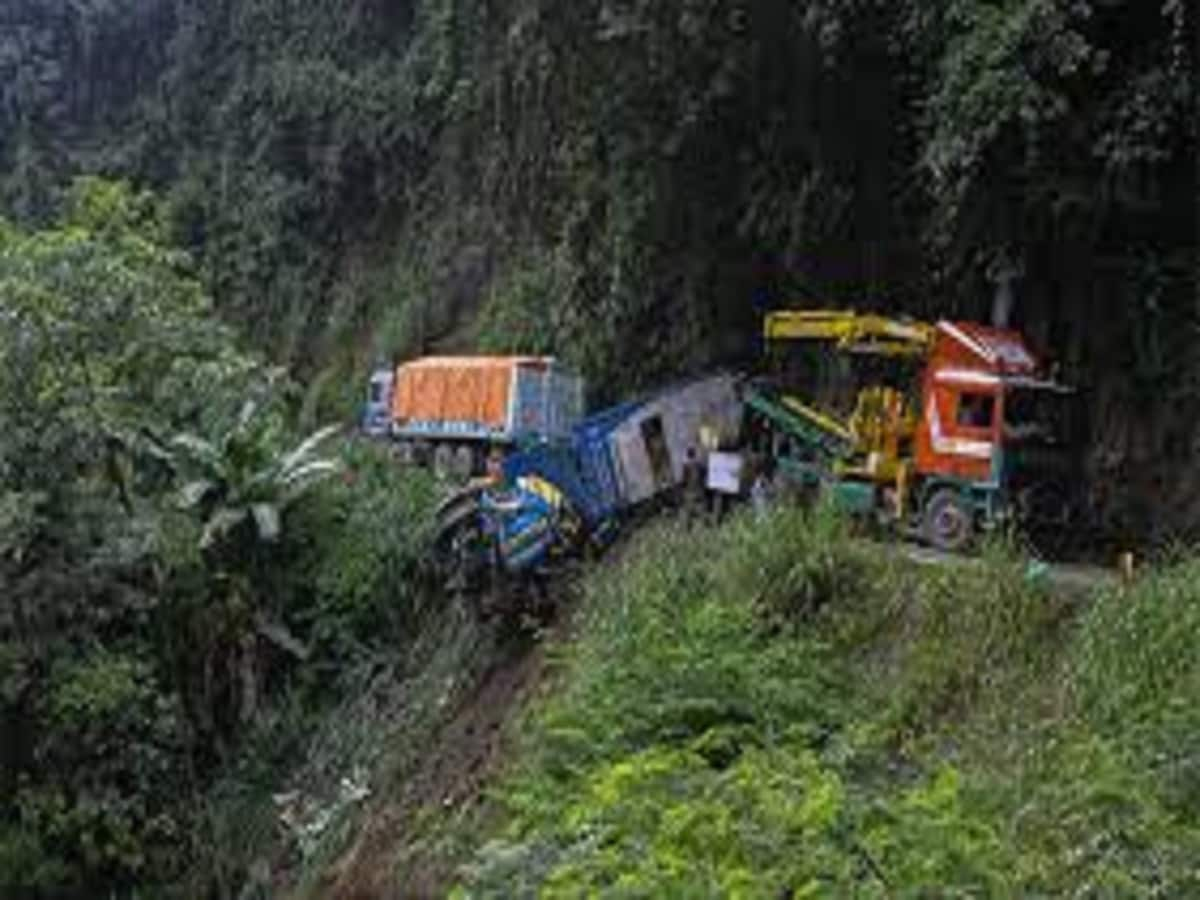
<point>883,421</point>
<point>850,331</point>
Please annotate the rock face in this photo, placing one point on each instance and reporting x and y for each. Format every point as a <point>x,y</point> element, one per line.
<point>71,72</point>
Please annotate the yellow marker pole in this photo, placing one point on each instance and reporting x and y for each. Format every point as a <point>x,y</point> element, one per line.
<point>901,490</point>
<point>1125,566</point>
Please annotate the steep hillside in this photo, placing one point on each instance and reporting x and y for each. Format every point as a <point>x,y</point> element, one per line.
<point>773,704</point>
<point>627,183</point>
<point>776,708</point>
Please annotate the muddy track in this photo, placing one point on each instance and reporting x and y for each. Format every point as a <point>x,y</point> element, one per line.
<point>461,760</point>
<point>1068,578</point>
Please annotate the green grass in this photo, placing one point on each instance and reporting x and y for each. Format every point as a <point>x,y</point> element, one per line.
<point>778,709</point>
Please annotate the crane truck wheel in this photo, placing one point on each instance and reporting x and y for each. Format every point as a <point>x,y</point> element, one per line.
<point>947,523</point>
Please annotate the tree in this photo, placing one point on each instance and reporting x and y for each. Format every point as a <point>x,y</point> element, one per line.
<point>107,343</point>
<point>240,485</point>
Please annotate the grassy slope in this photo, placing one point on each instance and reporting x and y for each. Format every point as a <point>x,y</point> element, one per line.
<point>774,709</point>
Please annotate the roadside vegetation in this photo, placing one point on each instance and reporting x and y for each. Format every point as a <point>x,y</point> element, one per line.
<point>221,670</point>
<point>776,708</point>
<point>186,582</point>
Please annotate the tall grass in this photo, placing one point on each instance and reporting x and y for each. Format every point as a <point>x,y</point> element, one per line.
<point>776,708</point>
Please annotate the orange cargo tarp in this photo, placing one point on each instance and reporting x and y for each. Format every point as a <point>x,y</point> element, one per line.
<point>457,389</point>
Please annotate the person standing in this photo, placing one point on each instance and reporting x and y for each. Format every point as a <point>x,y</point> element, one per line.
<point>693,486</point>
<point>760,488</point>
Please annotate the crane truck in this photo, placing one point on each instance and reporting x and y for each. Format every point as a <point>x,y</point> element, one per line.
<point>961,429</point>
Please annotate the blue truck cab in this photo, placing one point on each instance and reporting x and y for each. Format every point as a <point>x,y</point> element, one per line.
<point>377,411</point>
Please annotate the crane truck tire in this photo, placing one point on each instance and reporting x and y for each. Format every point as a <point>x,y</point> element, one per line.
<point>947,523</point>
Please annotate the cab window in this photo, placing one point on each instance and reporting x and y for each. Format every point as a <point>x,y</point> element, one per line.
<point>976,410</point>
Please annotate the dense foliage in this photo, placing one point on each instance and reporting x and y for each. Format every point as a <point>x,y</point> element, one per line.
<point>619,181</point>
<point>775,709</point>
<point>158,527</point>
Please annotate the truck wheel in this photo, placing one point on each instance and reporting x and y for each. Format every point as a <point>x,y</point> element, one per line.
<point>947,521</point>
<point>443,461</point>
<point>460,548</point>
<point>463,465</point>
<point>405,453</point>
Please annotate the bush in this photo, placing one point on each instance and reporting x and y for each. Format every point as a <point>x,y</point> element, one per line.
<point>113,742</point>
<point>1136,675</point>
<point>364,540</point>
<point>673,647</point>
<point>665,822</point>
<point>684,744</point>
<point>969,629</point>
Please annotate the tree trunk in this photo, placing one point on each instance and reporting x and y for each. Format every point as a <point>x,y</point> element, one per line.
<point>248,676</point>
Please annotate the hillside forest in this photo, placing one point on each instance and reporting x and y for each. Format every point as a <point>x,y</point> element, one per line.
<point>223,671</point>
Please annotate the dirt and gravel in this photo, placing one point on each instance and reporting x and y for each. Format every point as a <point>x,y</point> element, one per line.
<point>387,858</point>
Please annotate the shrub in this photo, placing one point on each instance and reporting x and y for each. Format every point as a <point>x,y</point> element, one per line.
<point>664,822</point>
<point>115,745</point>
<point>685,743</point>
<point>364,540</point>
<point>1136,674</point>
<point>970,629</point>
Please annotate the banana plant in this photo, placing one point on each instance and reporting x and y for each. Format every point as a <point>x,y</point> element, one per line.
<point>240,479</point>
<point>241,483</point>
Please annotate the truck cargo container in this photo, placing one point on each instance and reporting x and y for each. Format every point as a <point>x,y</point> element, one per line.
<point>650,446</point>
<point>450,409</point>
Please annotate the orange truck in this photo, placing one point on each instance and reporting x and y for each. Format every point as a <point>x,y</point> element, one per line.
<point>451,410</point>
<point>967,431</point>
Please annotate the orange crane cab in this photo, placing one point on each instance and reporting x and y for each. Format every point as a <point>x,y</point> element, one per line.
<point>968,438</point>
<point>963,397</point>
<point>990,446</point>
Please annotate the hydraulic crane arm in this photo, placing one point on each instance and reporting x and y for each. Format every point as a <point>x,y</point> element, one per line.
<point>850,331</point>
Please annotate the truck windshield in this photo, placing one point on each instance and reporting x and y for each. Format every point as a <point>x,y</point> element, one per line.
<point>1041,414</point>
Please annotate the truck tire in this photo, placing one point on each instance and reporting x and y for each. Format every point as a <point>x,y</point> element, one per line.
<point>463,465</point>
<point>443,462</point>
<point>458,554</point>
<point>405,453</point>
<point>947,521</point>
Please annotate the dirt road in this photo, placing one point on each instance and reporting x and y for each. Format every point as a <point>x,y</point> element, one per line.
<point>1068,577</point>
